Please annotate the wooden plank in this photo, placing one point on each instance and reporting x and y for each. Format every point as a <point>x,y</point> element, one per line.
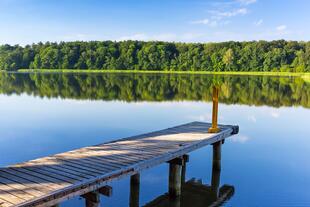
<point>146,149</point>
<point>83,174</point>
<point>92,160</point>
<point>62,174</point>
<point>112,166</point>
<point>10,197</point>
<point>17,186</point>
<point>65,163</point>
<point>112,156</point>
<point>81,165</point>
<point>41,187</point>
<point>151,149</point>
<point>57,177</point>
<point>41,176</point>
<point>104,160</point>
<point>133,153</point>
<point>4,203</point>
<point>30,179</point>
<point>129,160</point>
<point>11,189</point>
<point>125,162</point>
<point>84,163</point>
<point>73,166</point>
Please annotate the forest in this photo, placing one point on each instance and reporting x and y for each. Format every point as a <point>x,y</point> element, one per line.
<point>276,56</point>
<point>248,90</point>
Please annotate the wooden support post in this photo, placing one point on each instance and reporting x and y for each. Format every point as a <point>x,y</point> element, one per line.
<point>175,202</point>
<point>217,155</point>
<point>216,168</point>
<point>183,173</point>
<point>215,99</point>
<point>175,178</point>
<point>215,181</point>
<point>106,191</point>
<point>134,190</point>
<point>92,199</point>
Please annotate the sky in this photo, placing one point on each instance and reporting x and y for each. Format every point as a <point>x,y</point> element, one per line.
<point>31,21</point>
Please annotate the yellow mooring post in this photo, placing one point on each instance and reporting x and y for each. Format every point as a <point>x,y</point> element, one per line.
<point>215,98</point>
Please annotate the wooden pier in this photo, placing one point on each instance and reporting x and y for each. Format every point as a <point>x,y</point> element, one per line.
<point>87,171</point>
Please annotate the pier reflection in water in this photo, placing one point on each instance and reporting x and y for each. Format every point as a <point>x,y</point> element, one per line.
<point>193,192</point>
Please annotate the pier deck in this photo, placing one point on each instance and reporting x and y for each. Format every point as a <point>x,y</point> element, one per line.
<point>50,180</point>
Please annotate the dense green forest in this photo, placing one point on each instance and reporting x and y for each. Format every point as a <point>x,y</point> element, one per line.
<point>281,55</point>
<point>249,90</point>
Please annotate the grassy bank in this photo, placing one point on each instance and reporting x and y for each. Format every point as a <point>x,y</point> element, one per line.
<point>162,72</point>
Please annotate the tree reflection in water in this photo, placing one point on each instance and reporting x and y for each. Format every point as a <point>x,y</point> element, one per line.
<point>249,90</point>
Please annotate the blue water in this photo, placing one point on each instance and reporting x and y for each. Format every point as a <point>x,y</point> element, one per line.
<point>267,162</point>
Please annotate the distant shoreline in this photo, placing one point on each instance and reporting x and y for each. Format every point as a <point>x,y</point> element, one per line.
<point>161,72</point>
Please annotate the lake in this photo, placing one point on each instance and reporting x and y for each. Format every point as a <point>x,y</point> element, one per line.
<point>267,163</point>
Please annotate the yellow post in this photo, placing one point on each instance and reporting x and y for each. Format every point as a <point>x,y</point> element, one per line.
<point>215,98</point>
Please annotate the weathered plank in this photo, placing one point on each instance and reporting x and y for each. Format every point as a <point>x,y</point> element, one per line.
<point>41,187</point>
<point>13,199</point>
<point>43,177</point>
<point>12,186</point>
<point>4,203</point>
<point>29,179</point>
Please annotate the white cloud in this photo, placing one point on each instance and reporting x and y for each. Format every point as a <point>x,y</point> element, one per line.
<point>281,27</point>
<point>203,117</point>
<point>202,21</point>
<point>164,37</point>
<point>233,3</point>
<point>208,22</point>
<point>146,37</point>
<point>75,37</point>
<point>228,14</point>
<point>240,139</point>
<point>259,22</point>
<point>185,37</point>
<point>252,118</point>
<point>225,10</point>
<point>275,114</point>
<point>246,2</point>
<point>138,36</point>
<point>191,36</point>
<point>281,30</point>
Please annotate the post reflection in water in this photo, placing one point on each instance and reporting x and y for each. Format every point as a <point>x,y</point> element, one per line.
<point>195,193</point>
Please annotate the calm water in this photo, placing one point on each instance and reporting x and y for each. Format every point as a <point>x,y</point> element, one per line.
<point>267,162</point>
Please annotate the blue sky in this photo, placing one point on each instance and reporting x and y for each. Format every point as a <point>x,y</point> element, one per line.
<point>27,21</point>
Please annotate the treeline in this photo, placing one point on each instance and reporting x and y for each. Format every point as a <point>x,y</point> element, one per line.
<point>250,90</point>
<point>281,55</point>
